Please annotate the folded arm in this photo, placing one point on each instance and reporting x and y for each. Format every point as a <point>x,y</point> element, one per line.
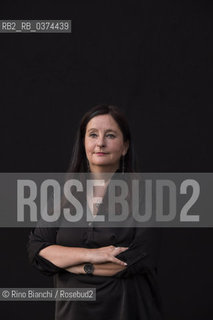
<point>50,258</point>
<point>64,257</point>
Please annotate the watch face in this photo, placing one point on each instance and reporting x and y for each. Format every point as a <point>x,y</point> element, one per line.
<point>89,268</point>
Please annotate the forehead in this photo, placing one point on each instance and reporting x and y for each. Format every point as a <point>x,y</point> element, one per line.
<point>104,122</point>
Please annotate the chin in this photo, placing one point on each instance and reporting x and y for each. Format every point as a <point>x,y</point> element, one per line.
<point>100,163</point>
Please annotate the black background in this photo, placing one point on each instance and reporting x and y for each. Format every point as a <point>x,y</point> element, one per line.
<point>151,58</point>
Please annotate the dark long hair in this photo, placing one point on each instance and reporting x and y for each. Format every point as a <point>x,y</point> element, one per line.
<point>78,161</point>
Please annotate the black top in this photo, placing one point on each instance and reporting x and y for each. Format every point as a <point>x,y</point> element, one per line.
<point>130,294</point>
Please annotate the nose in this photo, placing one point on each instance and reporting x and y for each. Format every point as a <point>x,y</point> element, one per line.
<point>101,141</point>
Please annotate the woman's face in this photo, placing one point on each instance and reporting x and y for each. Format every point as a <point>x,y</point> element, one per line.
<point>104,144</point>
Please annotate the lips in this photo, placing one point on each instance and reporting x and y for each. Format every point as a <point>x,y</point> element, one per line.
<point>101,153</point>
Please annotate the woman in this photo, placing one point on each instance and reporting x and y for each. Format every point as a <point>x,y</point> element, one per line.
<point>119,262</point>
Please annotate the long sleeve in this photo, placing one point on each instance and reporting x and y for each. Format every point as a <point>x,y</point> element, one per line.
<point>41,238</point>
<point>141,256</point>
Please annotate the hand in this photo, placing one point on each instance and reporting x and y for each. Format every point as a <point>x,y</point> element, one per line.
<point>106,254</point>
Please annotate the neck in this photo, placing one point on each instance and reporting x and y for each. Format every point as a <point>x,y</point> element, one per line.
<point>106,176</point>
<point>100,170</point>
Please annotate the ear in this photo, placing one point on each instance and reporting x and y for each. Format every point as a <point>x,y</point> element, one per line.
<point>125,148</point>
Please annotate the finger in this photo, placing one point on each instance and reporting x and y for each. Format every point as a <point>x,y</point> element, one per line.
<point>118,250</point>
<point>117,261</point>
<point>123,248</point>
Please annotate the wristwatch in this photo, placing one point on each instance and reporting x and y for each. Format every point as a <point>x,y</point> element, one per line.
<point>89,268</point>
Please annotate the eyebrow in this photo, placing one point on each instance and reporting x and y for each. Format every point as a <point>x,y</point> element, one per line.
<point>94,129</point>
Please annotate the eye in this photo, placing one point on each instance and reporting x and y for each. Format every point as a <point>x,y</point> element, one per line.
<point>110,135</point>
<point>93,135</point>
